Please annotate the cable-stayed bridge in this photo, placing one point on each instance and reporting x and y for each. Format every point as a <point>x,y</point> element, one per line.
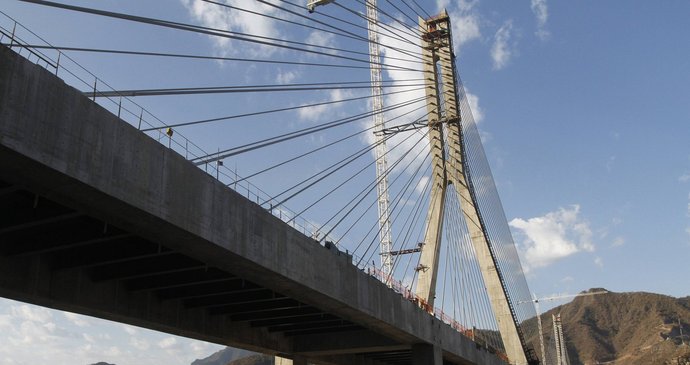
<point>140,224</point>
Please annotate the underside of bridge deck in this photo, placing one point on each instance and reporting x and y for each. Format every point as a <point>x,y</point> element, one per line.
<point>39,236</point>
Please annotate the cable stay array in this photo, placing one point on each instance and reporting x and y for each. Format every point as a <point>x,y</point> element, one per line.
<point>281,111</point>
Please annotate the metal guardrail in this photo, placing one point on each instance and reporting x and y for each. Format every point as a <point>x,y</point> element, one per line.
<point>406,293</point>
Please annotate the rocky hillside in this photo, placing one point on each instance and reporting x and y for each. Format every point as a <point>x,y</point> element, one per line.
<point>624,328</point>
<point>254,360</point>
<point>224,357</point>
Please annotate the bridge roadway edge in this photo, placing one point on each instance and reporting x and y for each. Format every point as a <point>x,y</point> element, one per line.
<point>61,145</point>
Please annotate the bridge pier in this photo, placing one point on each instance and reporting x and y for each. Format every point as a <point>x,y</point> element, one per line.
<point>297,360</point>
<point>424,354</point>
<point>282,361</point>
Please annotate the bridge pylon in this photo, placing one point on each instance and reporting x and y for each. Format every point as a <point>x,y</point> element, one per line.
<point>448,176</point>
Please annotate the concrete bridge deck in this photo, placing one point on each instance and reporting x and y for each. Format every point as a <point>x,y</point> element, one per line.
<point>97,218</point>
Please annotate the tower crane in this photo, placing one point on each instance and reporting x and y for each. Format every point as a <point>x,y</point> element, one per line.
<point>379,127</point>
<point>536,301</point>
<point>381,148</point>
<point>561,350</point>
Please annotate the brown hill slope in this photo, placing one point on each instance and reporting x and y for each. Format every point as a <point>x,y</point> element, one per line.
<point>224,357</point>
<point>254,360</point>
<point>623,328</point>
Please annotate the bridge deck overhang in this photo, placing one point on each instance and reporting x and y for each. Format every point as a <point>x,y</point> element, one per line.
<point>97,218</point>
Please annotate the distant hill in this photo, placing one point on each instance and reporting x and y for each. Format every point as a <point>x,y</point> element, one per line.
<point>623,328</point>
<point>226,356</point>
<point>254,360</point>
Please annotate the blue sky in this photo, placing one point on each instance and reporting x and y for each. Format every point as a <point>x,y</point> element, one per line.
<point>584,108</point>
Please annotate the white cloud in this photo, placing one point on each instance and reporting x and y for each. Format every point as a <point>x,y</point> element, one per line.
<point>219,17</point>
<point>684,178</point>
<point>167,342</point>
<point>139,343</point>
<point>541,12</point>
<point>442,4</point>
<point>422,184</point>
<point>501,51</point>
<point>286,77</point>
<point>129,329</point>
<point>618,241</point>
<point>465,19</point>
<point>31,313</point>
<point>567,279</point>
<point>469,108</point>
<point>465,29</point>
<point>554,236</point>
<point>34,335</point>
<point>321,39</point>
<point>78,320</point>
<point>5,321</point>
<point>112,351</point>
<point>599,262</point>
<point>201,349</point>
<point>477,112</point>
<point>319,112</point>
<point>609,163</point>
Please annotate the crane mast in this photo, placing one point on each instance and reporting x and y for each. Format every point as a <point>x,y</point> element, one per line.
<point>381,149</point>
<point>379,126</point>
<point>561,350</point>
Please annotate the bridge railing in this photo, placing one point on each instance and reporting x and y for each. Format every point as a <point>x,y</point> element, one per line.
<point>36,49</point>
<point>406,293</point>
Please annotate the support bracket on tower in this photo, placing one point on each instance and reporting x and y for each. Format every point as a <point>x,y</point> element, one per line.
<point>401,128</point>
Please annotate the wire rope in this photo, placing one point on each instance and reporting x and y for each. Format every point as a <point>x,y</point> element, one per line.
<point>211,31</point>
<point>200,57</point>
<point>284,137</point>
<point>245,89</point>
<point>235,116</point>
<point>347,33</point>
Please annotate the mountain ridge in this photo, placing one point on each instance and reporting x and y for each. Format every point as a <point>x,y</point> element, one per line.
<point>624,328</point>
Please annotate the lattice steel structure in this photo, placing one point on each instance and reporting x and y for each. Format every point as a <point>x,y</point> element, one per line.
<point>381,149</point>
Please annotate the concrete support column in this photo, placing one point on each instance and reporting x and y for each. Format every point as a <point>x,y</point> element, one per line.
<point>282,361</point>
<point>423,354</point>
<point>297,360</point>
